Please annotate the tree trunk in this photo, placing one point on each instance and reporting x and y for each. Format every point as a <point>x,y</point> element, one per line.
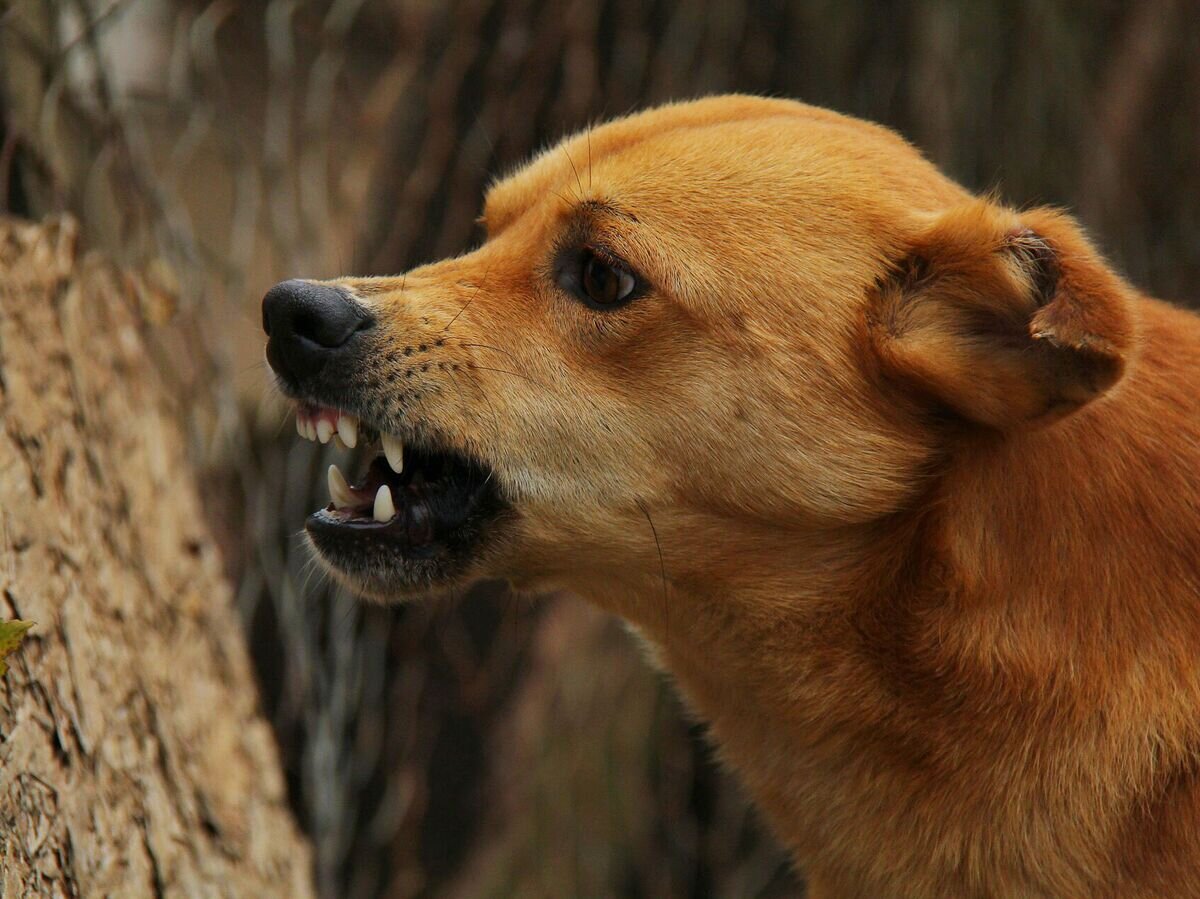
<point>133,761</point>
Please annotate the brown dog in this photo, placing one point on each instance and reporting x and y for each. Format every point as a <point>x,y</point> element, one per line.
<point>902,485</point>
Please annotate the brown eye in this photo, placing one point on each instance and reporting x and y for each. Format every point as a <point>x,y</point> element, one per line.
<point>605,284</point>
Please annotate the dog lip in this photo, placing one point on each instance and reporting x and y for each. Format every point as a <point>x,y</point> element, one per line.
<point>332,521</point>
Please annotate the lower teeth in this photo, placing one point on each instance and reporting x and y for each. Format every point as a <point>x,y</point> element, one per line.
<point>351,503</point>
<point>385,509</point>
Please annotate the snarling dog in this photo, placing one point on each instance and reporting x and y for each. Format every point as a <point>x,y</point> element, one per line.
<point>901,484</point>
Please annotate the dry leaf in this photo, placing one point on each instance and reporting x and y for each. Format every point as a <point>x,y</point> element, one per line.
<point>11,634</point>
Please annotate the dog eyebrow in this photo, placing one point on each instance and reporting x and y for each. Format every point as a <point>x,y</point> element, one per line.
<point>591,222</point>
<point>497,219</point>
<point>607,207</point>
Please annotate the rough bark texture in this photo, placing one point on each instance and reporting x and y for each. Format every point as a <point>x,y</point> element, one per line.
<point>133,761</point>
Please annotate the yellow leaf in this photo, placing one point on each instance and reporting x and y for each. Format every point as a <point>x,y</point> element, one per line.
<point>11,634</point>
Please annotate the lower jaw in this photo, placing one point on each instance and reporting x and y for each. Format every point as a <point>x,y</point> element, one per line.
<point>384,566</point>
<point>385,577</point>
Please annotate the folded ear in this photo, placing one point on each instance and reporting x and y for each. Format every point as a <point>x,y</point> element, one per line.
<point>1005,318</point>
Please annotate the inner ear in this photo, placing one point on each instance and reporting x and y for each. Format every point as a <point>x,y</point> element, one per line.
<point>1004,319</point>
<point>1035,256</point>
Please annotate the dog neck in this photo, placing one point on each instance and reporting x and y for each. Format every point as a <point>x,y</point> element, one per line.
<point>895,653</point>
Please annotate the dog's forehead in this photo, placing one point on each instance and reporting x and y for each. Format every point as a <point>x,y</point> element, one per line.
<point>684,140</point>
<point>573,160</point>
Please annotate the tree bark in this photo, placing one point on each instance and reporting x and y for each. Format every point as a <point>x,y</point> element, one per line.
<point>133,761</point>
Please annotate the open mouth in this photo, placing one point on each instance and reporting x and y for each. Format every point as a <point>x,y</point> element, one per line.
<point>414,519</point>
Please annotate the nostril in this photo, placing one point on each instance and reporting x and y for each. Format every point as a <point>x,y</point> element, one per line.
<point>328,331</point>
<point>319,314</point>
<point>307,324</point>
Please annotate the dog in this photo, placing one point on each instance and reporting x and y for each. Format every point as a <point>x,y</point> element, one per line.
<point>901,484</point>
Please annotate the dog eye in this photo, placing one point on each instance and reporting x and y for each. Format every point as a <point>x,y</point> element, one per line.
<point>605,284</point>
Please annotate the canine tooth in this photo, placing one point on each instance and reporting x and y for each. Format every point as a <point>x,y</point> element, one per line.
<point>384,507</point>
<point>347,428</point>
<point>339,490</point>
<point>394,450</point>
<point>324,430</point>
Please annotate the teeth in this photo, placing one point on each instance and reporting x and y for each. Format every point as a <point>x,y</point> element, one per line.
<point>347,428</point>
<point>339,490</point>
<point>394,450</point>
<point>343,430</point>
<point>384,508</point>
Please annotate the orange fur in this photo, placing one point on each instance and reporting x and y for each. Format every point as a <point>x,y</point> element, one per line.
<point>902,486</point>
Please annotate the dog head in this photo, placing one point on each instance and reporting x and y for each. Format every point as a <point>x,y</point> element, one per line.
<point>691,337</point>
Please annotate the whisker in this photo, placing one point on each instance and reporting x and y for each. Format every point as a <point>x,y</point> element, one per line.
<point>466,406</point>
<point>312,568</point>
<point>578,183</point>
<point>484,346</point>
<point>352,607</point>
<point>283,423</point>
<point>662,569</point>
<point>515,374</point>
<point>478,287</point>
<point>495,418</point>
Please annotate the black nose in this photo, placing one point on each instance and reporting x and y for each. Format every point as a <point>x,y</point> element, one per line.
<point>307,325</point>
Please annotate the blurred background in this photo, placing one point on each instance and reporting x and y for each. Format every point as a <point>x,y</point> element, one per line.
<point>488,746</point>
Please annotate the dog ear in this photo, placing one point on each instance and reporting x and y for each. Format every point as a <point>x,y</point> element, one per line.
<point>1007,319</point>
